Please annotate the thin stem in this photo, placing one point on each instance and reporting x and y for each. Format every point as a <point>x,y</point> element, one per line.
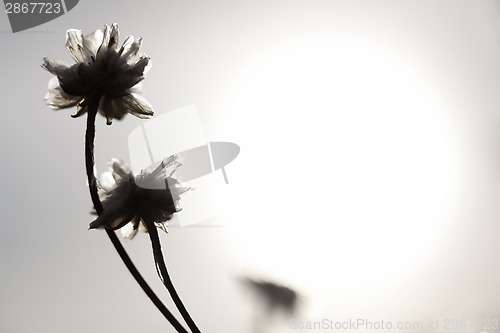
<point>140,280</point>
<point>89,154</point>
<point>163,273</point>
<point>89,164</point>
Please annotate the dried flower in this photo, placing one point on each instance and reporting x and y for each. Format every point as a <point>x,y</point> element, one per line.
<point>153,193</point>
<point>102,70</point>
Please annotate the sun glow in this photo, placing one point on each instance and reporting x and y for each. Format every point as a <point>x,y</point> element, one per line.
<point>347,166</point>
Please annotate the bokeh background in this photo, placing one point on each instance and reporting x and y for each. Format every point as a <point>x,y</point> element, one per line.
<point>368,178</point>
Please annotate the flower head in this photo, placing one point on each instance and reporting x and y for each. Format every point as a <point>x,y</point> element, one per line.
<point>102,70</point>
<point>128,200</point>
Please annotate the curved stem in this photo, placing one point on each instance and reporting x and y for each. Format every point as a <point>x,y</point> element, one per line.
<point>163,273</point>
<point>140,280</point>
<point>89,164</point>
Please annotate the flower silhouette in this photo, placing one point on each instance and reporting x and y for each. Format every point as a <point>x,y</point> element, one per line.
<point>275,296</point>
<point>102,71</point>
<point>106,79</point>
<point>154,194</point>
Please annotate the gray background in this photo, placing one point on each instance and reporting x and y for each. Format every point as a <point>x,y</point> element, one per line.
<point>58,277</point>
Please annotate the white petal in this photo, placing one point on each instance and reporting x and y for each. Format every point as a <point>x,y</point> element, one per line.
<point>53,83</point>
<point>126,45</point>
<point>137,89</point>
<point>142,227</point>
<point>119,170</point>
<point>74,44</point>
<point>107,181</point>
<point>128,231</point>
<point>113,36</point>
<point>130,48</point>
<point>92,42</point>
<point>148,66</point>
<point>80,110</point>
<point>105,41</point>
<point>57,99</point>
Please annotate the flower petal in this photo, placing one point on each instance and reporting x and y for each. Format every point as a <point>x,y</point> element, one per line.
<point>138,68</point>
<point>81,109</point>
<point>107,181</point>
<point>57,99</point>
<point>55,67</point>
<point>118,207</point>
<point>119,170</point>
<point>109,120</point>
<point>137,89</point>
<point>142,226</point>
<point>74,44</point>
<point>122,220</point>
<point>137,105</point>
<point>113,36</point>
<point>163,226</point>
<point>112,219</point>
<point>105,41</point>
<point>148,65</point>
<point>130,48</point>
<point>128,231</point>
<point>111,109</point>
<point>92,42</point>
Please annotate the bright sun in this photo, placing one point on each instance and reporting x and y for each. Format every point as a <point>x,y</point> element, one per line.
<point>347,165</point>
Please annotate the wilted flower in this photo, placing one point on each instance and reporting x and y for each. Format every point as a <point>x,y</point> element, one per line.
<point>153,194</point>
<point>102,70</point>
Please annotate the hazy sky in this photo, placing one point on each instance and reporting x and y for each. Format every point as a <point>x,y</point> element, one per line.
<point>368,171</point>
